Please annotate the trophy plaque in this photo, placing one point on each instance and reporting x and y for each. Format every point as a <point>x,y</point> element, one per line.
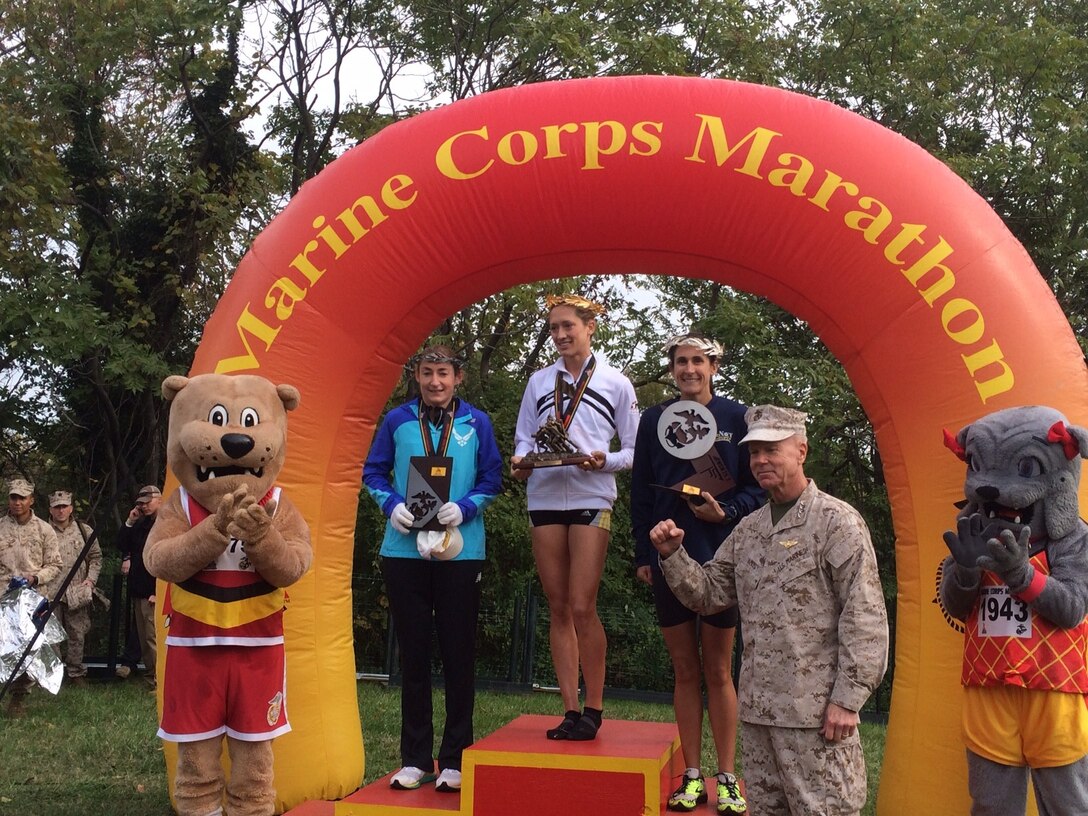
<point>428,489</point>
<point>553,448</point>
<point>688,430</point>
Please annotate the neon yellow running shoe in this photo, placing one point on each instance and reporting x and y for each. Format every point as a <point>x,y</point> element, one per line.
<point>690,794</point>
<point>729,798</point>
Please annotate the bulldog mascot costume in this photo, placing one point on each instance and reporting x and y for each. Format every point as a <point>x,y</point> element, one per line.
<point>1018,579</point>
<point>228,542</point>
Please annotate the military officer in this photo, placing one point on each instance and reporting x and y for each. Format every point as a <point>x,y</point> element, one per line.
<point>28,549</point>
<point>803,573</point>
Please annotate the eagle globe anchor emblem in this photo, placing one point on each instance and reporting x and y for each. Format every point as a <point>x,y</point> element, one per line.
<point>688,427</point>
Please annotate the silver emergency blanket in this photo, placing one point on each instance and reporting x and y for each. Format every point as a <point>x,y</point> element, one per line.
<point>17,629</point>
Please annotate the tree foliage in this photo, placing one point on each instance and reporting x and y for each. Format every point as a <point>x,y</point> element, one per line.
<point>142,146</point>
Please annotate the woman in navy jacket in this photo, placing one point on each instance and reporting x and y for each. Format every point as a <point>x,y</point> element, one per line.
<point>676,440</point>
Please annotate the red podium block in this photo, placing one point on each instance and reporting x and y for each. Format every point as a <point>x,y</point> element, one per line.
<point>627,771</point>
<point>378,799</point>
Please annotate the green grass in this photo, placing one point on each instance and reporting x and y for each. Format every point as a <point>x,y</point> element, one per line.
<point>89,751</point>
<point>92,751</point>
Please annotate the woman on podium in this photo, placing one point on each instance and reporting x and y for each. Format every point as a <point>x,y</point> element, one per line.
<point>570,496</point>
<point>433,494</point>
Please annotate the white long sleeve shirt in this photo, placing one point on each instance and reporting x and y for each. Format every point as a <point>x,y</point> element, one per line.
<point>608,410</point>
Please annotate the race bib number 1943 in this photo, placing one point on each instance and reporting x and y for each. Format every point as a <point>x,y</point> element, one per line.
<point>1001,615</point>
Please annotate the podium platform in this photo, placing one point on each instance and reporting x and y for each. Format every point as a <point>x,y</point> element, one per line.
<point>628,770</point>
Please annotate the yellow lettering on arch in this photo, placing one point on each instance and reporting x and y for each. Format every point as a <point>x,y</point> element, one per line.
<point>443,159</point>
<point>990,357</point>
<point>760,139</point>
<point>248,324</point>
<point>796,178</point>
<point>870,225</point>
<point>289,293</point>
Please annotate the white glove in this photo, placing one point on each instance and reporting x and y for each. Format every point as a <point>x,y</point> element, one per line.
<point>450,515</point>
<point>401,518</point>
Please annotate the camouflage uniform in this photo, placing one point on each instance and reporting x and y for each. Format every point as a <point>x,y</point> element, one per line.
<point>74,610</point>
<point>815,631</point>
<point>28,549</point>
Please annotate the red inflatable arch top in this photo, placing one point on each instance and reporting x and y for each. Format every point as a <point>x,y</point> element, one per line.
<point>910,279</point>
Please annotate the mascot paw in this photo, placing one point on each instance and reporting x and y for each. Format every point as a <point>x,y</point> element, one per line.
<point>250,521</point>
<point>224,512</point>
<point>1008,557</point>
<point>969,543</point>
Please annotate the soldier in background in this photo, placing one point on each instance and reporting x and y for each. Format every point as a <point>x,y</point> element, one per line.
<point>28,550</point>
<point>73,611</point>
<point>803,572</point>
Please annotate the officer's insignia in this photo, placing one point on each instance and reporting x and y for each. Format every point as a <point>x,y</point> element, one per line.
<point>789,542</point>
<point>275,707</point>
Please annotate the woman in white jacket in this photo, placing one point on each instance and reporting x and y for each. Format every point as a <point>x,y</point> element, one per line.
<point>570,508</point>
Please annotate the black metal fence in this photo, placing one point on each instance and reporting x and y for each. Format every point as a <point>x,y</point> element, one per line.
<point>513,650</point>
<point>512,643</point>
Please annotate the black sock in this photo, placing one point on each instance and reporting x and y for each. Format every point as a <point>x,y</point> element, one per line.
<point>588,725</point>
<point>562,731</point>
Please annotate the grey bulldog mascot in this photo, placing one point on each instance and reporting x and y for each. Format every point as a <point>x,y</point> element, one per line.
<point>1017,577</point>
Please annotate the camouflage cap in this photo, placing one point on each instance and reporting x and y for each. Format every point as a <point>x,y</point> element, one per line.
<point>147,493</point>
<point>769,423</point>
<point>59,498</point>
<point>20,487</point>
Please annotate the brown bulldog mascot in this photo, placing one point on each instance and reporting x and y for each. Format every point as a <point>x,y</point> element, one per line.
<point>228,542</point>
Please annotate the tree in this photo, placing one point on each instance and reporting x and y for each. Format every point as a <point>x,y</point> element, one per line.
<point>148,183</point>
<point>141,152</point>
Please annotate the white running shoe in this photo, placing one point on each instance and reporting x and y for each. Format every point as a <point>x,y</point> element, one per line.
<point>407,778</point>
<point>449,781</point>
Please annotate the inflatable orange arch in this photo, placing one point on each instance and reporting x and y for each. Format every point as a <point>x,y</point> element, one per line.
<point>933,308</point>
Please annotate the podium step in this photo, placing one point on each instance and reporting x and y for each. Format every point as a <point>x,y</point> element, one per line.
<point>626,770</point>
<point>629,770</point>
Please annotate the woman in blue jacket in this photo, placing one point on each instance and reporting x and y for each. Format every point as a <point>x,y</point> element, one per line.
<point>434,575</point>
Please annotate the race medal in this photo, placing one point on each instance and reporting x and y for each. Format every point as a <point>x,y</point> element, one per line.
<point>553,447</point>
<point>430,476</point>
<point>686,429</point>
